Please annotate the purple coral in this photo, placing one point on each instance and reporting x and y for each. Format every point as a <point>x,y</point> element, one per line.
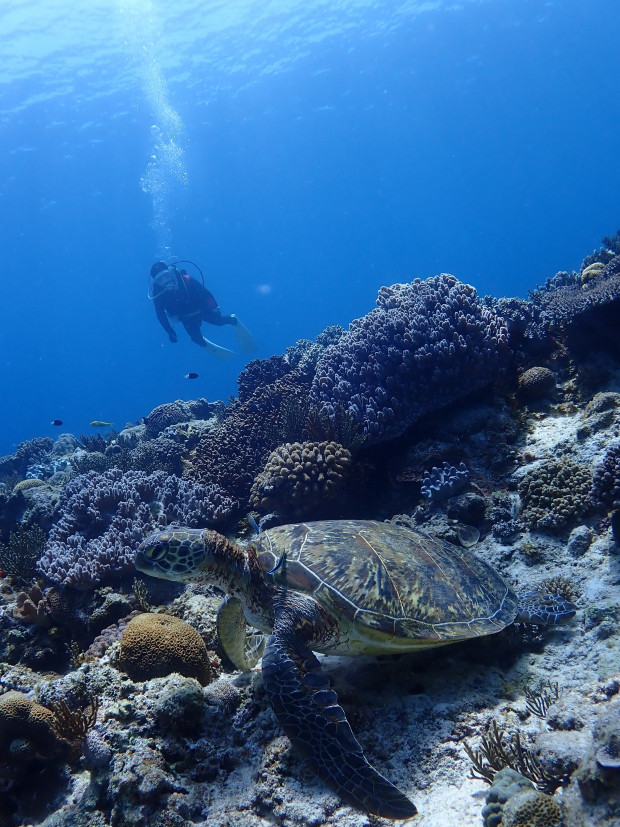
<point>427,344</point>
<point>444,482</point>
<point>105,516</point>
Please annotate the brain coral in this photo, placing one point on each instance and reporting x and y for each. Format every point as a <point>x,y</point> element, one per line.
<point>301,477</point>
<point>427,344</point>
<point>536,383</point>
<point>27,729</point>
<point>105,516</point>
<point>154,645</point>
<point>555,494</point>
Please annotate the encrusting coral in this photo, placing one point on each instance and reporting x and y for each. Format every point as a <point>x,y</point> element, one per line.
<point>426,345</point>
<point>555,494</point>
<point>301,477</point>
<point>513,801</point>
<point>154,645</point>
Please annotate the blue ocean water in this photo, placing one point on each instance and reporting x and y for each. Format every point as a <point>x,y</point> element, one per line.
<point>303,153</point>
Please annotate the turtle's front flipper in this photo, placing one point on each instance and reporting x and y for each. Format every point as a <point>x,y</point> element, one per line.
<point>243,650</point>
<point>547,609</point>
<point>309,713</point>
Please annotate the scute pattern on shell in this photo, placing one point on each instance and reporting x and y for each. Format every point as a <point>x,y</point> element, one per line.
<point>393,579</point>
<point>300,477</point>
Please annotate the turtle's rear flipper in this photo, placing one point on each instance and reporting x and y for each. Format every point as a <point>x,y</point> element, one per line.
<point>309,713</point>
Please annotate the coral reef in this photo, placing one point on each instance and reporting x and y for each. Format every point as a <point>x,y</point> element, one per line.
<point>27,453</point>
<point>555,494</point>
<point>427,344</point>
<point>566,300</point>
<point>236,451</point>
<point>302,479</point>
<point>154,645</point>
<point>104,517</point>
<point>441,483</point>
<point>19,557</point>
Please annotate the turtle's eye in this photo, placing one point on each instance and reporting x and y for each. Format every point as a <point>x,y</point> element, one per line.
<point>157,551</point>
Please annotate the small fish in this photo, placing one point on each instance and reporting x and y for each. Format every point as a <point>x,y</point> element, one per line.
<point>191,376</point>
<point>97,423</point>
<point>56,422</point>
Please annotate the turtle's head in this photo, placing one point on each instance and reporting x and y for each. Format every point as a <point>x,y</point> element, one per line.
<point>175,554</point>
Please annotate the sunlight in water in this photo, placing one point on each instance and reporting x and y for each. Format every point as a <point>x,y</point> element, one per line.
<point>166,166</point>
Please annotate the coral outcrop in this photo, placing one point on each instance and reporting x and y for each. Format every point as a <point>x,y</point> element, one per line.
<point>302,479</point>
<point>426,345</point>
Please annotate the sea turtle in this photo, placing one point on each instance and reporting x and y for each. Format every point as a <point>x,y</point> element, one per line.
<point>344,587</point>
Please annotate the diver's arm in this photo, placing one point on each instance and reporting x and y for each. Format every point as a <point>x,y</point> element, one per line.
<point>163,320</point>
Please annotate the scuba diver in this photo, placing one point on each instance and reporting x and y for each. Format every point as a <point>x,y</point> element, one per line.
<point>176,295</point>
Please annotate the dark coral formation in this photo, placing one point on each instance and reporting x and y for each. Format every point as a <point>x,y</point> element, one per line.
<point>233,454</point>
<point>104,517</point>
<point>27,453</point>
<point>158,455</point>
<point>536,383</point>
<point>155,645</point>
<point>427,344</point>
<point>606,479</point>
<point>302,479</point>
<point>555,494</point>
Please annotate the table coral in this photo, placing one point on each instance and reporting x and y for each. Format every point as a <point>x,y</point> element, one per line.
<point>426,345</point>
<point>105,516</point>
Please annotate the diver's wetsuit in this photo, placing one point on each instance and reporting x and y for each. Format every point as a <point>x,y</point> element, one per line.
<point>191,303</point>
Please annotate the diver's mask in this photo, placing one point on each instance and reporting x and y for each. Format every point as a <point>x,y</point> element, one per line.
<point>164,281</point>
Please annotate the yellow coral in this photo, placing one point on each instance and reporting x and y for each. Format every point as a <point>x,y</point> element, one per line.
<point>155,645</point>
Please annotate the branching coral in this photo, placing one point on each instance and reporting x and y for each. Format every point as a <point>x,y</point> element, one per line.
<point>427,344</point>
<point>497,751</point>
<point>104,517</point>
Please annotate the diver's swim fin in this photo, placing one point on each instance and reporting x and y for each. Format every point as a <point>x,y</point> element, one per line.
<point>245,340</point>
<point>219,352</point>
